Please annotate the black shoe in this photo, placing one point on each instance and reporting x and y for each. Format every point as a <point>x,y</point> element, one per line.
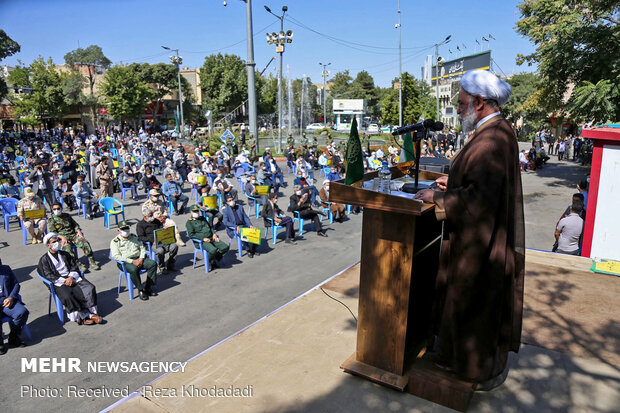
<point>2,347</point>
<point>214,265</point>
<point>151,293</point>
<point>15,341</point>
<point>162,270</point>
<point>170,265</point>
<point>321,234</point>
<point>143,296</point>
<point>251,255</point>
<point>290,241</point>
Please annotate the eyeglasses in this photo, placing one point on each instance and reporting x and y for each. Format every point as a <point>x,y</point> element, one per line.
<point>56,209</point>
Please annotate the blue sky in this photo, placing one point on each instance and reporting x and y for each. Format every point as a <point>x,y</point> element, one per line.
<point>134,30</point>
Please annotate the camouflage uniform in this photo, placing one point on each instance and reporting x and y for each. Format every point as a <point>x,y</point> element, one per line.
<point>159,208</point>
<point>304,140</point>
<point>252,144</point>
<point>290,140</point>
<point>31,204</point>
<point>65,225</point>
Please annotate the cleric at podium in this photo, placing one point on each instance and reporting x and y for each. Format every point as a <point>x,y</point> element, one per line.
<point>479,307</point>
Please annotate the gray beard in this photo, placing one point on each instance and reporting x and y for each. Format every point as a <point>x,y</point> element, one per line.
<point>468,121</point>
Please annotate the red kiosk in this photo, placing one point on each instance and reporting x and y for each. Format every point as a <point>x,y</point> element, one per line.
<point>601,237</point>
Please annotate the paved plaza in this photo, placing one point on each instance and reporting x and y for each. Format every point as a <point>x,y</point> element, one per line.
<point>195,310</point>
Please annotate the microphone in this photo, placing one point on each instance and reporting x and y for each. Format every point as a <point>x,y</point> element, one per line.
<point>427,124</point>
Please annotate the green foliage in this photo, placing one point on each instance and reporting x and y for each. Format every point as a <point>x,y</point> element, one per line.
<point>125,93</point>
<point>223,82</point>
<point>267,94</point>
<point>92,57</point>
<point>576,42</point>
<point>363,87</point>
<point>8,47</point>
<point>524,101</point>
<point>46,102</point>
<point>595,102</point>
<point>417,101</point>
<point>72,84</point>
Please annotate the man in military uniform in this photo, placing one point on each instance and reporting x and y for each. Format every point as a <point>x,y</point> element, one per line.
<point>70,234</point>
<point>304,140</point>
<point>106,177</point>
<point>330,139</point>
<point>252,144</point>
<point>290,140</point>
<point>315,144</point>
<point>230,145</point>
<point>199,228</point>
<point>127,248</point>
<point>31,202</point>
<point>157,204</point>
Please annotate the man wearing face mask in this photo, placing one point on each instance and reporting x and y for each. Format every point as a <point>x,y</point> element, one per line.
<point>104,172</point>
<point>149,181</point>
<point>128,248</point>
<point>43,182</point>
<point>338,210</point>
<point>235,218</point>
<point>174,192</point>
<point>9,189</point>
<point>250,190</point>
<point>271,211</point>
<point>85,195</point>
<point>77,295</point>
<point>300,202</point>
<point>199,228</point>
<point>128,180</point>
<point>223,186</point>
<point>264,175</point>
<point>31,202</point>
<point>144,231</point>
<point>157,204</point>
<point>306,186</point>
<point>69,233</point>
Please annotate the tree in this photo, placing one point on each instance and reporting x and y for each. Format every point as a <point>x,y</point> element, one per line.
<point>363,87</point>
<point>92,61</point>
<point>223,82</point>
<point>163,79</point>
<point>523,102</point>
<point>576,42</point>
<point>417,101</point>
<point>8,47</point>
<point>125,93</point>
<point>44,99</point>
<point>595,102</point>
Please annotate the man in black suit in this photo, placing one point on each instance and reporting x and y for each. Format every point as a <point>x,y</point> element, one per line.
<point>272,212</point>
<point>234,217</point>
<point>300,202</point>
<point>42,182</point>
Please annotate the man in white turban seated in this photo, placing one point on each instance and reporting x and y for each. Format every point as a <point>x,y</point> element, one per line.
<point>77,295</point>
<point>478,300</point>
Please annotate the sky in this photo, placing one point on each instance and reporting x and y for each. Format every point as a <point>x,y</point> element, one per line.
<point>350,34</point>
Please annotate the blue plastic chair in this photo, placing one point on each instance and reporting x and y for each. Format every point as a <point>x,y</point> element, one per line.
<point>291,167</point>
<point>248,168</point>
<point>239,173</point>
<point>60,311</point>
<point>9,210</point>
<point>7,319</point>
<point>25,231</point>
<point>123,189</point>
<point>254,203</point>
<point>81,205</point>
<point>121,273</point>
<point>239,242</point>
<point>108,207</point>
<point>195,193</point>
<point>274,231</point>
<point>22,180</point>
<point>170,205</point>
<point>330,216</point>
<point>205,255</point>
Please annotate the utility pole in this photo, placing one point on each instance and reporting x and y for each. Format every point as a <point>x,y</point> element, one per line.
<point>325,74</point>
<point>251,75</point>
<point>178,60</point>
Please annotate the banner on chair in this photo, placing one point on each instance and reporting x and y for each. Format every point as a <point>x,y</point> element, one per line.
<point>202,180</point>
<point>252,235</point>
<point>165,236</point>
<point>210,201</point>
<point>262,190</point>
<point>115,163</point>
<point>206,154</point>
<point>35,214</point>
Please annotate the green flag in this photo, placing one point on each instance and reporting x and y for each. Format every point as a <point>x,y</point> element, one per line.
<point>354,156</point>
<point>407,154</point>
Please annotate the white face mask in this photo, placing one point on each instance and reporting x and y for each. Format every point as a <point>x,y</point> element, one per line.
<point>125,233</point>
<point>195,214</point>
<point>150,219</point>
<point>154,198</point>
<point>253,181</point>
<point>55,246</point>
<point>231,203</point>
<point>298,192</point>
<point>57,212</point>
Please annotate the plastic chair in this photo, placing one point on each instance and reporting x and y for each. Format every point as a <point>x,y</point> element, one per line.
<point>291,167</point>
<point>195,193</point>
<point>326,170</point>
<point>9,210</point>
<point>170,205</point>
<point>60,311</point>
<point>123,189</point>
<point>330,216</point>
<point>107,205</point>
<point>255,203</point>
<point>121,273</point>
<point>7,319</point>
<point>81,205</point>
<point>248,168</point>
<point>149,247</point>
<point>274,230</point>
<point>22,180</point>
<point>205,255</point>
<point>25,231</point>
<point>239,242</point>
<point>239,173</point>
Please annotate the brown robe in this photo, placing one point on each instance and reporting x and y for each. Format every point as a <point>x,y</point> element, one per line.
<point>479,304</point>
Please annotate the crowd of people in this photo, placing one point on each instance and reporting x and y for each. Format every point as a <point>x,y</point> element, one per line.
<point>47,175</point>
<point>545,144</point>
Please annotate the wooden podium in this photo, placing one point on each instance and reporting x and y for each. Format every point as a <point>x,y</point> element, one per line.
<point>401,240</point>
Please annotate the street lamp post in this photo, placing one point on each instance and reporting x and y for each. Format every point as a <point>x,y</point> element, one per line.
<point>177,60</point>
<point>325,74</point>
<point>279,39</point>
<point>437,62</point>
<point>400,73</point>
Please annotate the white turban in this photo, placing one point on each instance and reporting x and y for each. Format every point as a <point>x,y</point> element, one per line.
<point>487,85</point>
<point>49,236</point>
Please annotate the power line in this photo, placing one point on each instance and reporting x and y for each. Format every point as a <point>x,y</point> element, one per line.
<point>256,33</point>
